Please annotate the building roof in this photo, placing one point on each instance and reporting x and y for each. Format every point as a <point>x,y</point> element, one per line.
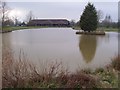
<point>49,21</point>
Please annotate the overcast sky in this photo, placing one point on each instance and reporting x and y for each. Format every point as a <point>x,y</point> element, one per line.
<point>67,10</point>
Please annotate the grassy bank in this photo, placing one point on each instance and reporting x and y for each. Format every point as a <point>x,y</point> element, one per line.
<point>10,28</point>
<point>13,28</point>
<point>101,29</point>
<point>108,29</point>
<point>23,74</point>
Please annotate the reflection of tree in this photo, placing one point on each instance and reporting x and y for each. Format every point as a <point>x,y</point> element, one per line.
<point>87,46</point>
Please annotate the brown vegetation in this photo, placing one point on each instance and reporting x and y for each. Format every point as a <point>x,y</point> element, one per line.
<point>22,74</point>
<point>116,63</point>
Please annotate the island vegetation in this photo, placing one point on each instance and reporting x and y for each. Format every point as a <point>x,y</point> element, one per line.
<point>92,21</point>
<point>88,20</point>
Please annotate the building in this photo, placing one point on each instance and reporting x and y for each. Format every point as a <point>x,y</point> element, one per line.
<point>49,22</point>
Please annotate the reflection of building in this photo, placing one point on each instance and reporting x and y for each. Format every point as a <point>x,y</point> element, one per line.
<point>49,22</point>
<point>87,46</point>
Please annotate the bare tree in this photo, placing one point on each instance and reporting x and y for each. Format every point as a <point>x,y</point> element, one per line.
<point>4,12</point>
<point>119,14</point>
<point>107,21</point>
<point>15,19</point>
<point>100,15</point>
<point>30,16</point>
<point>0,14</point>
<point>72,22</point>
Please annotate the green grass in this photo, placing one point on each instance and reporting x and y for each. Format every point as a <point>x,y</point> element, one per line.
<point>12,28</point>
<point>108,29</point>
<point>101,29</point>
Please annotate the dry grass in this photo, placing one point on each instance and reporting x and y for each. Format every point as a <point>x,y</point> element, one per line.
<point>23,74</point>
<point>116,63</point>
<point>16,73</point>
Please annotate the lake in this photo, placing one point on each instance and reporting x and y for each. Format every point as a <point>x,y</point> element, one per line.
<point>46,45</point>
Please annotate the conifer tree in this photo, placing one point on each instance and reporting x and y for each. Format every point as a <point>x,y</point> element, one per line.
<point>89,18</point>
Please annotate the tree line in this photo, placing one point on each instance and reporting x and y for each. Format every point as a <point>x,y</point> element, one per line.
<point>104,23</point>
<point>7,21</point>
<point>91,19</point>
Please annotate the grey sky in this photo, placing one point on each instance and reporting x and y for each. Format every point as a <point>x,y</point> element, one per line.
<point>68,10</point>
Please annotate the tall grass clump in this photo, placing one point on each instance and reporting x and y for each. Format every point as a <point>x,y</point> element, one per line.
<point>116,63</point>
<point>23,74</point>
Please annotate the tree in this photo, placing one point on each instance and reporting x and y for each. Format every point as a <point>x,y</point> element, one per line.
<point>107,21</point>
<point>4,12</point>
<point>16,21</point>
<point>72,22</point>
<point>30,16</point>
<point>119,23</point>
<point>9,22</point>
<point>100,15</point>
<point>89,18</point>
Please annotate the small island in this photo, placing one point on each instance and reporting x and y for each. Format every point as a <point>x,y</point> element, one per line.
<point>91,33</point>
<point>89,21</point>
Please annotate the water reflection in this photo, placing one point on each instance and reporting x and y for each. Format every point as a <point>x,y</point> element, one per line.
<point>6,41</point>
<point>51,44</point>
<point>87,46</point>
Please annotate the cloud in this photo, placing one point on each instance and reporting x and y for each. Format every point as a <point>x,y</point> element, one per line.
<point>71,10</point>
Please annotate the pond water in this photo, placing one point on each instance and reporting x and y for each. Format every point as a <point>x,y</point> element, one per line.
<point>63,45</point>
